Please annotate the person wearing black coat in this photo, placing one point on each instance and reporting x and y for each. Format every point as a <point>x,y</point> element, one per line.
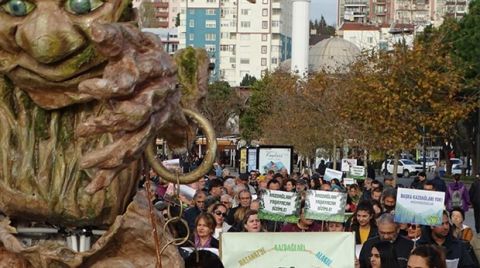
<point>387,231</point>
<point>455,249</point>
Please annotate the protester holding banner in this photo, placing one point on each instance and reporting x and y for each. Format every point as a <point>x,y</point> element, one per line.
<point>303,224</point>
<point>289,185</point>
<point>363,223</point>
<point>335,226</point>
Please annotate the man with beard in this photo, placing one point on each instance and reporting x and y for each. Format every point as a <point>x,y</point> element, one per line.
<point>456,250</point>
<point>389,200</point>
<point>388,230</point>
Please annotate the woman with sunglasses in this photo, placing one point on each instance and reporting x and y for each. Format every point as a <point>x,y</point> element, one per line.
<point>219,212</point>
<point>414,232</point>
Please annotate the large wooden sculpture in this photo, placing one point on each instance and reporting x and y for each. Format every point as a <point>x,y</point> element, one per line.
<point>81,98</point>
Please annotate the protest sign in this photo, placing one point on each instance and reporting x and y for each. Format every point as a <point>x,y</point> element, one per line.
<point>332,174</point>
<point>252,159</point>
<point>279,206</point>
<point>419,206</point>
<point>293,250</point>
<point>347,163</point>
<point>325,206</point>
<point>348,181</point>
<point>357,172</point>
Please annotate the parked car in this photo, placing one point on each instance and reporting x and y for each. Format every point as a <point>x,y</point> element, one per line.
<point>457,163</point>
<point>406,167</point>
<point>430,163</point>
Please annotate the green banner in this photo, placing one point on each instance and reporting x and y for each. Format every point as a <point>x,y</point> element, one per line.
<point>325,205</point>
<point>279,206</point>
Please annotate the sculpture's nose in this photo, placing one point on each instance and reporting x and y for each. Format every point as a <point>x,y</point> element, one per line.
<point>48,37</point>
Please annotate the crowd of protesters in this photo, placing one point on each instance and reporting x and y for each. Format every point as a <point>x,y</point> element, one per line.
<point>225,203</point>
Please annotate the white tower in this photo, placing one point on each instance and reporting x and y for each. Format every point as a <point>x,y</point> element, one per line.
<point>300,34</point>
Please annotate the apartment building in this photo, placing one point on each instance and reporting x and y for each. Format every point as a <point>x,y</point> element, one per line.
<point>387,12</point>
<point>157,13</point>
<point>241,37</point>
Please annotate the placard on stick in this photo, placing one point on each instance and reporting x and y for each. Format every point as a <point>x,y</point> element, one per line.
<point>279,206</point>
<point>325,205</point>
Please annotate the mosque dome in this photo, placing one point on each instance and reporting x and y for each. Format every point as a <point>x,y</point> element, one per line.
<point>333,54</point>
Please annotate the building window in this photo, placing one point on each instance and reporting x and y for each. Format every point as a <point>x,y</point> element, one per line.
<point>244,37</point>
<point>210,24</point>
<point>244,61</point>
<point>264,61</point>
<point>265,1</point>
<point>191,36</point>
<point>232,60</point>
<point>274,60</point>
<point>264,49</point>
<point>370,39</point>
<point>210,37</point>
<point>191,23</point>
<point>245,24</point>
<point>264,12</point>
<point>275,23</point>
<point>225,35</point>
<point>264,37</point>
<point>264,24</point>
<point>210,11</point>
<point>211,1</point>
<point>245,11</point>
<point>210,48</point>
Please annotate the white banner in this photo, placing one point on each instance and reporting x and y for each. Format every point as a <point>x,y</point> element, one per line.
<point>332,174</point>
<point>292,250</point>
<point>347,163</point>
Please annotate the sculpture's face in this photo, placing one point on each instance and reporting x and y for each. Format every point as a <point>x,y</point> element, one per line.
<point>45,45</point>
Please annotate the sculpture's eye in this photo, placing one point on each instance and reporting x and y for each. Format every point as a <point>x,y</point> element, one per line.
<point>80,7</point>
<point>18,8</point>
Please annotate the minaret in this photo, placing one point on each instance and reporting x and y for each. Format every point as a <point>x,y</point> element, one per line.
<point>300,35</point>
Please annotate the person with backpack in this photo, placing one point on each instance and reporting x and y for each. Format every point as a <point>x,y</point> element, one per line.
<point>457,195</point>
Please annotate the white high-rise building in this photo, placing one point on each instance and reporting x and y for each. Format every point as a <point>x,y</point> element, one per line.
<point>242,38</point>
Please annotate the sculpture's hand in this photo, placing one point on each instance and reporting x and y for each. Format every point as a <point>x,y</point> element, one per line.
<point>138,94</point>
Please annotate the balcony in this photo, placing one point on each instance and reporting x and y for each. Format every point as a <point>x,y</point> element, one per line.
<point>161,4</point>
<point>161,14</point>
<point>355,3</point>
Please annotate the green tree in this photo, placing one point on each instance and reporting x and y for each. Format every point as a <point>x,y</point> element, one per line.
<point>248,80</point>
<point>220,105</point>
<point>257,106</point>
<point>393,96</point>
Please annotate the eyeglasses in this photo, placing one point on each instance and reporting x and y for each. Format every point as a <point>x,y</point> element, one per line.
<point>218,213</point>
<point>413,226</point>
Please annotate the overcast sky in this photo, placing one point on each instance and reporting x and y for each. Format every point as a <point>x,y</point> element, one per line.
<point>327,8</point>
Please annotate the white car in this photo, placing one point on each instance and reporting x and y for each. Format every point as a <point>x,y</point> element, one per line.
<point>406,167</point>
